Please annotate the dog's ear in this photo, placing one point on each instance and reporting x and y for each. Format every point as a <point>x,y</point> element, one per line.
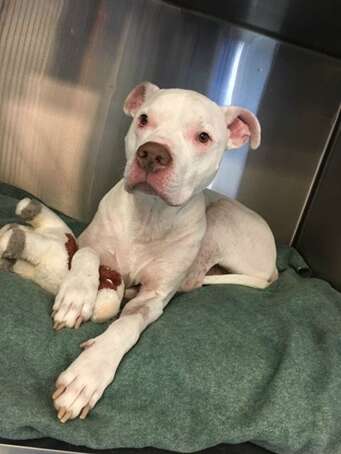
<point>138,96</point>
<point>242,126</point>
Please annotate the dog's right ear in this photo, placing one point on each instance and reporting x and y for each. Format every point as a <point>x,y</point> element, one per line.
<point>242,126</point>
<point>138,96</point>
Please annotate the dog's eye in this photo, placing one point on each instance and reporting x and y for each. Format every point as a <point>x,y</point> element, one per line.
<point>203,137</point>
<point>143,120</point>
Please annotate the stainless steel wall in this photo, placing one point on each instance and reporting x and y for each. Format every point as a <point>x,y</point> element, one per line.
<point>311,24</point>
<point>67,65</point>
<point>319,239</point>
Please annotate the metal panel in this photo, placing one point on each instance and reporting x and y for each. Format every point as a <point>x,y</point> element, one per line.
<point>298,111</point>
<point>50,446</point>
<point>67,66</point>
<point>17,449</point>
<point>312,24</point>
<point>319,239</point>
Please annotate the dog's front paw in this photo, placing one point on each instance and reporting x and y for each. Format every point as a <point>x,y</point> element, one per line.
<point>82,384</point>
<point>75,302</point>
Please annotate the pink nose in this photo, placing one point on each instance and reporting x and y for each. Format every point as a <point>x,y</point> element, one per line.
<point>152,157</point>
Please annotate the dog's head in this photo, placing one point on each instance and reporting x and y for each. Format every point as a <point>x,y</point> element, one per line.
<point>177,139</point>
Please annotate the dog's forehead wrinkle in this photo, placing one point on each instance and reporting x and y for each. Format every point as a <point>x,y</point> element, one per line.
<point>180,104</point>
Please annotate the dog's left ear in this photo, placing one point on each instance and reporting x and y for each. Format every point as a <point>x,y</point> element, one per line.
<point>242,126</point>
<point>138,96</point>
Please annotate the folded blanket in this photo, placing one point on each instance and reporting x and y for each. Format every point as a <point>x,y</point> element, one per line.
<point>223,364</point>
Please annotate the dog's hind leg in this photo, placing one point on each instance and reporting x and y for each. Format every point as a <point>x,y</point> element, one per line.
<point>240,243</point>
<point>206,259</point>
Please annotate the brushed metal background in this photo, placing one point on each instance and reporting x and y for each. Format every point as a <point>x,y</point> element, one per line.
<point>67,65</point>
<point>319,238</point>
<point>311,24</point>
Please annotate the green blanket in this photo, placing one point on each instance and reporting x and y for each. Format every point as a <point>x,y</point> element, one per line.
<point>223,364</point>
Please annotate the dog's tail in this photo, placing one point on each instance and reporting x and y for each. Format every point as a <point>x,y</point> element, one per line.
<point>237,279</point>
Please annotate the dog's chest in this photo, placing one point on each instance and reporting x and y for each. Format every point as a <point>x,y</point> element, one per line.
<point>132,249</point>
<point>142,253</point>
<point>140,236</point>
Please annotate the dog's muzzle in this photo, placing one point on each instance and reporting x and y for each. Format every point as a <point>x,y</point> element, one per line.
<point>152,157</point>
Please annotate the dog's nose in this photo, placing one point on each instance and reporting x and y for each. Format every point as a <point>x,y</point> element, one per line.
<point>153,156</point>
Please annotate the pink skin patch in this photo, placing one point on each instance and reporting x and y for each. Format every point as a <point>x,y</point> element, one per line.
<point>239,132</point>
<point>192,135</point>
<point>135,100</point>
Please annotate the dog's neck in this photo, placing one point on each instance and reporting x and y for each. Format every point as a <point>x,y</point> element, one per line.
<point>147,217</point>
<point>151,212</point>
<point>151,209</point>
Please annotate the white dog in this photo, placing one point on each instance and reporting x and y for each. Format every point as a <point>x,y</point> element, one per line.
<point>156,228</point>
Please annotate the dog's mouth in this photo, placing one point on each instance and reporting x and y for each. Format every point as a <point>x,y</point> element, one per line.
<point>146,188</point>
<point>153,183</point>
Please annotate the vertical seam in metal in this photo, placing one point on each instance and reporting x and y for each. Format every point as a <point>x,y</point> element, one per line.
<point>317,176</point>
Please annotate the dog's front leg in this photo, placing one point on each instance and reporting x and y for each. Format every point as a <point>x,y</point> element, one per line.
<point>82,384</point>
<point>76,298</point>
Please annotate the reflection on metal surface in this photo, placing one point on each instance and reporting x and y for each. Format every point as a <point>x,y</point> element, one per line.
<point>231,84</point>
<point>312,24</point>
<point>67,66</point>
<point>57,133</point>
